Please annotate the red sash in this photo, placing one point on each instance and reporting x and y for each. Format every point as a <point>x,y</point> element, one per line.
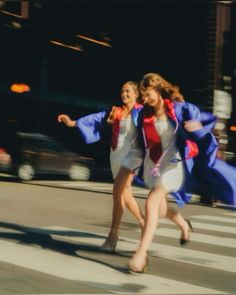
<point>153,139</point>
<point>151,134</point>
<point>116,126</point>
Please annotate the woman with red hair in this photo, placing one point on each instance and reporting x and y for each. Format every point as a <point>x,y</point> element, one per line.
<point>180,158</point>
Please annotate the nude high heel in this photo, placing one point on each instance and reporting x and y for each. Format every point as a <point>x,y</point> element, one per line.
<point>132,269</point>
<point>143,270</point>
<point>109,245</point>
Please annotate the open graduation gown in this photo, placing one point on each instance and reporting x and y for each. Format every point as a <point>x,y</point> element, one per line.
<point>204,173</point>
<point>94,125</point>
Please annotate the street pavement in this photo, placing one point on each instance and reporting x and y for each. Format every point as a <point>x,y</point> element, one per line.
<point>50,233</point>
<point>103,187</point>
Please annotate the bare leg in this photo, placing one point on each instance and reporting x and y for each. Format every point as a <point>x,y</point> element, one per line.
<point>177,218</point>
<point>121,181</point>
<point>156,206</point>
<point>131,203</point>
<point>122,197</point>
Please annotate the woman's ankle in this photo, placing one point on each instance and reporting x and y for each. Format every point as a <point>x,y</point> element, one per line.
<point>141,252</point>
<point>113,234</point>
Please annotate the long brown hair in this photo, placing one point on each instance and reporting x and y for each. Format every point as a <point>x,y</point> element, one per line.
<point>165,88</point>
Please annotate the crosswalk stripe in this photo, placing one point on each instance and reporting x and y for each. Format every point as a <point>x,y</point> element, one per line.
<point>99,275</point>
<point>196,237</point>
<point>215,218</point>
<point>201,258</point>
<point>207,226</point>
<point>230,213</point>
<point>214,261</point>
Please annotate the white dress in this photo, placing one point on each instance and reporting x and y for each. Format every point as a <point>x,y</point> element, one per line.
<point>171,174</point>
<point>127,154</point>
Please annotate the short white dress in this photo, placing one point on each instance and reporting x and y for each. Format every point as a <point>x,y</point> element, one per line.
<point>127,153</point>
<point>171,174</point>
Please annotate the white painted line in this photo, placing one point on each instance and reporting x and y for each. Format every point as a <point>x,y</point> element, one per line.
<point>97,274</point>
<point>215,218</point>
<point>205,259</point>
<point>195,237</point>
<point>230,213</point>
<point>209,260</point>
<point>207,226</point>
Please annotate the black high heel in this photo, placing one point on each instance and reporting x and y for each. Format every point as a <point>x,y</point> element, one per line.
<point>190,229</point>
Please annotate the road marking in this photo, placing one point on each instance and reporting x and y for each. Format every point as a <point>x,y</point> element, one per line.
<point>99,275</point>
<point>195,237</point>
<point>205,259</point>
<point>215,218</point>
<point>215,261</point>
<point>207,226</point>
<point>229,213</point>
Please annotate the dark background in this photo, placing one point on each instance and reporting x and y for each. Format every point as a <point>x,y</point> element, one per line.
<point>168,37</point>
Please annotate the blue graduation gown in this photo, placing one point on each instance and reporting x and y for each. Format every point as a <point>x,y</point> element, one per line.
<point>92,126</point>
<point>205,173</point>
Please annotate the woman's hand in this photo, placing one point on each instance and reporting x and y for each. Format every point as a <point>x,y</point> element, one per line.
<point>66,120</point>
<point>111,116</point>
<point>192,125</point>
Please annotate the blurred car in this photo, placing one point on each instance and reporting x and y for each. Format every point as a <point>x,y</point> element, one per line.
<point>33,154</point>
<point>5,159</point>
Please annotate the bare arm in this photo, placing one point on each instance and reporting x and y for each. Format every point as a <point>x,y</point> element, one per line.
<point>66,120</point>
<point>192,125</point>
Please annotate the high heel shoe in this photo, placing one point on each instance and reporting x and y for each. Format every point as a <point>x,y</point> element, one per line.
<point>144,269</point>
<point>190,229</point>
<point>109,245</point>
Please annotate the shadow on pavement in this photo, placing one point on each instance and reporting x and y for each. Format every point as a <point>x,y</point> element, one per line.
<point>42,238</point>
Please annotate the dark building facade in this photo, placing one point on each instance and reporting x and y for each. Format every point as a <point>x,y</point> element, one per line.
<point>75,55</point>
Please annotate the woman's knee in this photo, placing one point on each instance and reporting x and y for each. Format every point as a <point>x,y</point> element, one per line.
<point>156,196</point>
<point>124,177</point>
<point>158,192</point>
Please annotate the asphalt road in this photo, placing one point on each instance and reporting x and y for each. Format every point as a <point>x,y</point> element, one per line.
<point>50,233</point>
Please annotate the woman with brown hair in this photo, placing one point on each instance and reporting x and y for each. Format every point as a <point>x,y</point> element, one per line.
<point>125,155</point>
<point>179,146</point>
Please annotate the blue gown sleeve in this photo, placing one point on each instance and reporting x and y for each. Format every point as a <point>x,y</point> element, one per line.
<point>91,126</point>
<point>208,122</point>
<point>187,111</point>
<point>216,178</point>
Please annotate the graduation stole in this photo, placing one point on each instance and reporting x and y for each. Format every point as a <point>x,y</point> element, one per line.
<point>118,113</point>
<point>152,137</point>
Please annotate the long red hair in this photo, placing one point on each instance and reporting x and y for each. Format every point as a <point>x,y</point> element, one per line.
<point>165,88</point>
